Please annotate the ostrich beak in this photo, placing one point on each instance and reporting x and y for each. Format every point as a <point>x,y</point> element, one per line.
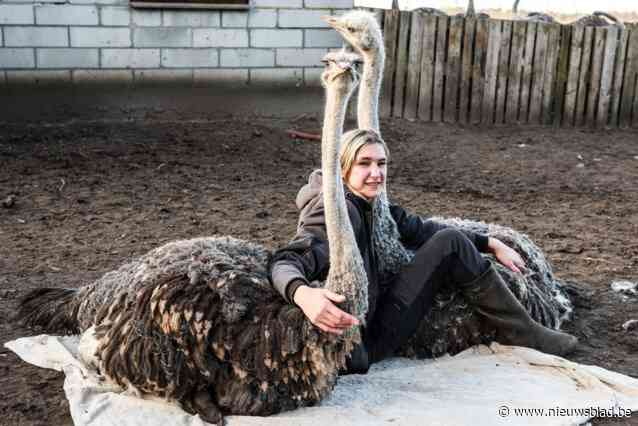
<point>333,21</point>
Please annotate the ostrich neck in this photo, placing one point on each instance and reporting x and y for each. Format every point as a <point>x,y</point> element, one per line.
<point>368,100</point>
<point>341,238</point>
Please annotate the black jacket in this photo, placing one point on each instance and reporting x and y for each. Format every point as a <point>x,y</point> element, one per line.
<point>306,257</point>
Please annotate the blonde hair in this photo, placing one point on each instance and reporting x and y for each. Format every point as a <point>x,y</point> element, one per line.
<point>352,141</point>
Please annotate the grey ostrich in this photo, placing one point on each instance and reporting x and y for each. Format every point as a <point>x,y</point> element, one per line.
<point>197,321</point>
<point>599,19</point>
<point>452,325</point>
<point>540,17</point>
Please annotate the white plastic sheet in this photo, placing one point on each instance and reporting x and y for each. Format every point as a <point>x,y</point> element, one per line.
<point>481,386</point>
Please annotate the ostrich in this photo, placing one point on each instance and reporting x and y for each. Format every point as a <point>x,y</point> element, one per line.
<point>197,321</point>
<point>452,325</point>
<point>540,17</point>
<point>599,19</point>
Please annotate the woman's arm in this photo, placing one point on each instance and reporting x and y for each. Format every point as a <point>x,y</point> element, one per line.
<point>306,259</point>
<point>415,231</point>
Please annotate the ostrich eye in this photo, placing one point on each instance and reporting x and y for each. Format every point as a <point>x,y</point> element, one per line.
<point>351,29</point>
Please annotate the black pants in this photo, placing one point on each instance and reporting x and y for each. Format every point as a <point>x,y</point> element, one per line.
<point>446,259</point>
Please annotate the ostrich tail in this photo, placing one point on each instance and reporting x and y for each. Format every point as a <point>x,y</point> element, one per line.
<point>53,309</point>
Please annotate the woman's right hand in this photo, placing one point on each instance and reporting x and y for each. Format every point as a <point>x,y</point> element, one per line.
<point>317,304</point>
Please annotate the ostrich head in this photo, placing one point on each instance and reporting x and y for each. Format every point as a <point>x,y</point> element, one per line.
<point>360,29</point>
<point>340,70</point>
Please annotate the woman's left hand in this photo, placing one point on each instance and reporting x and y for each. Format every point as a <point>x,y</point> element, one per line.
<point>506,255</point>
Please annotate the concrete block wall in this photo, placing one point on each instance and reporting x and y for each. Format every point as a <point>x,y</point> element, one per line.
<point>92,41</point>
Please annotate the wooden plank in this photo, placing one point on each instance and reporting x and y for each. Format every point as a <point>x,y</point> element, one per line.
<point>414,67</point>
<point>538,74</point>
<point>427,68</point>
<point>503,71</point>
<point>619,73</point>
<point>629,85</point>
<point>390,33</point>
<point>491,72</point>
<point>606,76</point>
<point>584,77</point>
<point>478,69</point>
<point>401,72</point>
<point>515,71</point>
<point>526,80</point>
<point>439,68</point>
<point>453,69</point>
<point>596,68</point>
<point>562,71</point>
<point>553,47</point>
<point>466,70</point>
<point>571,92</point>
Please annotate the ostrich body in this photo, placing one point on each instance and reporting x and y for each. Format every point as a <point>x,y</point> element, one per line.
<point>540,17</point>
<point>197,321</point>
<point>452,325</point>
<point>599,19</point>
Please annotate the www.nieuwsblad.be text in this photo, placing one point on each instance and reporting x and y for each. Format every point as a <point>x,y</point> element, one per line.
<point>506,411</point>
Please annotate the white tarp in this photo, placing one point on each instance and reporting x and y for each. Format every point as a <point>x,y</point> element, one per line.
<point>481,386</point>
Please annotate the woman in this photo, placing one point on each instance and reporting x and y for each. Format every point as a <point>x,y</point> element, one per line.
<point>444,256</point>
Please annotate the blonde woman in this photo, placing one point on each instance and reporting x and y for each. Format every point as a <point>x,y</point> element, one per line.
<point>443,256</point>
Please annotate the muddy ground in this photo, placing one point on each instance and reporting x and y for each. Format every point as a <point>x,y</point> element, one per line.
<point>91,194</point>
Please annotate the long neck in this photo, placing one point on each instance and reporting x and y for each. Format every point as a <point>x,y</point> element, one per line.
<point>338,227</point>
<point>369,89</point>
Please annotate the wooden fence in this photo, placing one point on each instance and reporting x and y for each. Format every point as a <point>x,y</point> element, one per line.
<point>491,71</point>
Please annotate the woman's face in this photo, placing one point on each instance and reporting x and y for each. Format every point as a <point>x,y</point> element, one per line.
<point>367,175</point>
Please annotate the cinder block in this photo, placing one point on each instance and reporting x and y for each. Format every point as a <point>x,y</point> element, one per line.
<point>312,77</point>
<point>163,76</point>
<point>183,18</point>
<point>17,58</point>
<point>147,18</point>
<point>322,38</point>
<point>300,57</point>
<point>247,58</point>
<point>276,38</point>
<point>39,77</point>
<point>235,19</point>
<point>262,18</point>
<point>162,37</point>
<point>130,58</point>
<point>223,76</point>
<point>279,3</point>
<point>100,37</point>
<point>107,2</point>
<point>328,4</point>
<point>115,16</point>
<point>67,58</point>
<point>213,37</point>
<point>276,76</point>
<point>189,58</point>
<point>36,36</point>
<point>302,18</point>
<point>65,14</point>
<point>16,14</point>
<point>102,76</point>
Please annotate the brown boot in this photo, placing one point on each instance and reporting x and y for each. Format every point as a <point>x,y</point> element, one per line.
<point>494,300</point>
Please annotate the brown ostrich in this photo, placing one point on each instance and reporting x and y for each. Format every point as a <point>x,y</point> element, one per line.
<point>197,321</point>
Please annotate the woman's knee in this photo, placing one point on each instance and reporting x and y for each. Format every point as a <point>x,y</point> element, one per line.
<point>450,239</point>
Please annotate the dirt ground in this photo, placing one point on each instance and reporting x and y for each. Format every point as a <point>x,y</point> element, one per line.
<point>91,194</point>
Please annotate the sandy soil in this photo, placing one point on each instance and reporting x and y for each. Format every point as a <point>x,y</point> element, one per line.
<point>89,195</point>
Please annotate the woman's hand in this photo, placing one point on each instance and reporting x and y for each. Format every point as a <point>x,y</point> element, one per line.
<point>316,304</point>
<point>506,255</point>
